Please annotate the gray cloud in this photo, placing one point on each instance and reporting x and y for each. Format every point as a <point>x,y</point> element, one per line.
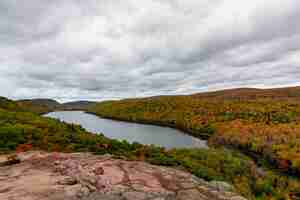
<point>91,49</point>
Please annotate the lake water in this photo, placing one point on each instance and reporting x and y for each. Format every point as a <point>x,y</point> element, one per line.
<point>132,132</point>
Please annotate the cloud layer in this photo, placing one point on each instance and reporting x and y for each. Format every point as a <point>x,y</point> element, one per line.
<point>103,49</point>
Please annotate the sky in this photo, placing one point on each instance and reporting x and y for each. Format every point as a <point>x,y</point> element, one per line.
<point>110,49</point>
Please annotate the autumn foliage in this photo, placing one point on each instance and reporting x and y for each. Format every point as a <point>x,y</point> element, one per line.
<point>23,148</point>
<point>264,126</point>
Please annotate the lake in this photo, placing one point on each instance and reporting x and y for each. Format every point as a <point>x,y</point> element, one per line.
<point>132,132</point>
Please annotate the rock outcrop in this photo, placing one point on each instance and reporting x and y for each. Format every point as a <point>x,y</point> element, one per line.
<point>83,176</point>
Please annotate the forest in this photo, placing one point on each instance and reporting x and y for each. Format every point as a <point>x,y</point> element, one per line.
<point>263,124</point>
<point>247,125</point>
<point>266,127</point>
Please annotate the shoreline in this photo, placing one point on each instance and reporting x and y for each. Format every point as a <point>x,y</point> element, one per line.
<point>155,123</point>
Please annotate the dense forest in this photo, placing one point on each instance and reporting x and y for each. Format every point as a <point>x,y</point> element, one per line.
<point>265,127</point>
<point>264,124</point>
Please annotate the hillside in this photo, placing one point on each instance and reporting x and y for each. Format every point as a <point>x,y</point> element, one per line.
<point>22,130</point>
<point>198,114</point>
<point>77,105</point>
<point>8,104</point>
<point>42,106</point>
<point>261,123</point>
<point>41,102</point>
<point>253,93</point>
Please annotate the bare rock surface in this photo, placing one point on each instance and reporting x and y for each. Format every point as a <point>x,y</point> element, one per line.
<point>83,176</point>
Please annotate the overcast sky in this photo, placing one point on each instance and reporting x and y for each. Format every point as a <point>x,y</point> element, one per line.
<point>106,49</point>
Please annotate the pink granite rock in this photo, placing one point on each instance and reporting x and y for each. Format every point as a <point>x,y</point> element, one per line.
<point>58,176</point>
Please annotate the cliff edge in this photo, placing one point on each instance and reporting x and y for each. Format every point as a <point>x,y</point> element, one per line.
<point>84,176</point>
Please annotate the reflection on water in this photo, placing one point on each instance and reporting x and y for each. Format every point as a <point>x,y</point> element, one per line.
<point>132,132</point>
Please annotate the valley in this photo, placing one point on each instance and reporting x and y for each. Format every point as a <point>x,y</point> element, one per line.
<point>253,135</point>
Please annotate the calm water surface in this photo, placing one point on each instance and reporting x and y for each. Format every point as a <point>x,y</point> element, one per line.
<point>132,132</point>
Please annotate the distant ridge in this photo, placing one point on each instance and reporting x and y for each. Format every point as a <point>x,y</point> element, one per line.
<point>239,93</point>
<point>48,105</point>
<point>77,105</point>
<point>41,102</point>
<point>43,105</point>
<point>252,93</point>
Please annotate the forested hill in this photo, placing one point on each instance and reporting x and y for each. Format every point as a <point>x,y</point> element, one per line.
<point>253,93</point>
<point>39,106</point>
<point>263,123</point>
<point>42,106</point>
<point>197,113</point>
<point>77,105</point>
<point>8,104</point>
